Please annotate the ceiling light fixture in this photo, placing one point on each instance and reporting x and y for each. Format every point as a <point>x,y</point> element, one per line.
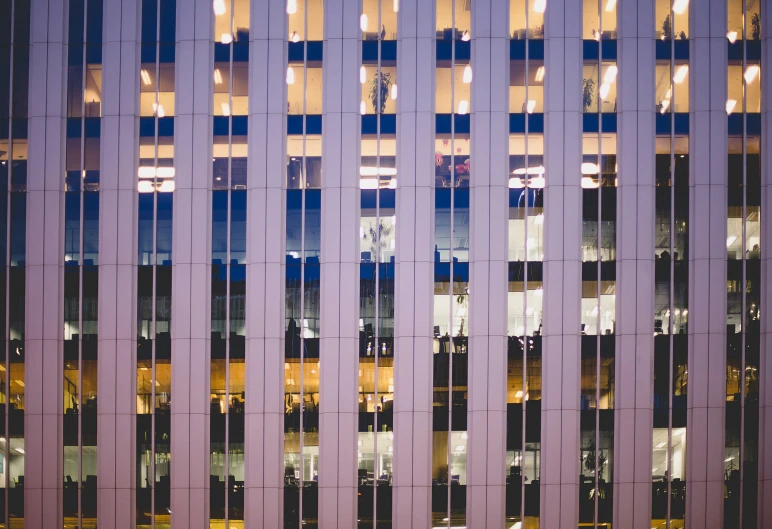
<point>679,6</point>
<point>467,74</point>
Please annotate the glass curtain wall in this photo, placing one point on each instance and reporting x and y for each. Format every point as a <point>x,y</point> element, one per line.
<point>671,270</point>
<point>452,164</point>
<point>81,251</point>
<point>14,94</point>
<point>598,304</point>
<point>671,316</point>
<point>741,462</point>
<point>524,327</point>
<point>302,267</point>
<point>155,185</point>
<point>229,225</point>
<point>377,236</point>
<point>526,251</point>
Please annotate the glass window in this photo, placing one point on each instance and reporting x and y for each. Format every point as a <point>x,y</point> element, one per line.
<point>379,94</point>
<point>300,25</point>
<point>672,90</point>
<point>526,99</point>
<point>742,82</point>
<point>599,86</point>
<point>527,23</point>
<point>450,11</point>
<point>453,88</point>
<point>369,23</point>
<point>672,19</point>
<point>600,19</point>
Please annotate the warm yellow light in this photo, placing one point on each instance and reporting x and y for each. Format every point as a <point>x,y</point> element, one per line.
<point>467,74</point>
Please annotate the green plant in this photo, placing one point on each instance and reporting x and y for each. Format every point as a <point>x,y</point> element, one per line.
<point>682,35</point>
<point>378,240</point>
<point>756,25</point>
<point>379,91</point>
<point>588,89</point>
<point>667,28</point>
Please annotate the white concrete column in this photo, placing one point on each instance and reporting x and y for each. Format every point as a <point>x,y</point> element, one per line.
<point>765,398</point>
<point>339,326</point>
<point>562,265</point>
<point>191,258</point>
<point>489,224</point>
<point>44,267</point>
<point>264,406</point>
<point>117,365</point>
<point>635,266</point>
<point>706,400</point>
<point>414,290</point>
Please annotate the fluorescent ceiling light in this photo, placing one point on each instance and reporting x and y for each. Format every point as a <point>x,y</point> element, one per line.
<point>750,73</point>
<point>146,172</point>
<point>665,106</point>
<point>226,109</point>
<point>395,6</point>
<point>218,6</point>
<point>394,91</point>
<point>590,168</point>
<point>362,74</point>
<point>730,104</point>
<point>468,74</point>
<point>143,186</point>
<point>589,183</point>
<point>604,88</point>
<point>540,74</point>
<point>226,38</point>
<point>362,108</point>
<point>681,74</point>
<point>166,187</point>
<point>611,74</point>
<point>363,22</point>
<point>368,183</point>
<point>540,6</point>
<point>145,76</point>
<point>610,5</point>
<point>463,107</point>
<point>730,240</point>
<point>679,6</point>
<point>217,76</point>
<point>375,171</point>
<point>537,182</point>
<point>732,36</point>
<point>292,7</point>
<point>290,75</point>
<point>516,183</point>
<point>530,106</point>
<point>165,172</point>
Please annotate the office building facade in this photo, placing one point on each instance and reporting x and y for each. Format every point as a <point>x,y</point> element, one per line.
<point>385,263</point>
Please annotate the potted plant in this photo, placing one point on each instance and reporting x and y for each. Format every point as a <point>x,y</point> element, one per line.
<point>667,28</point>
<point>756,27</point>
<point>377,240</point>
<point>588,89</point>
<point>379,88</point>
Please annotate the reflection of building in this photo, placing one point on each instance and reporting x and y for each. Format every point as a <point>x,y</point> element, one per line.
<point>382,263</point>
